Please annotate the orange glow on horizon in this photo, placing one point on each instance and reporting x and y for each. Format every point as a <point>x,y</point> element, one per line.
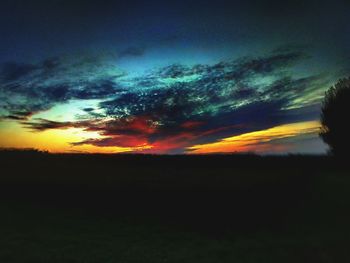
<point>13,135</point>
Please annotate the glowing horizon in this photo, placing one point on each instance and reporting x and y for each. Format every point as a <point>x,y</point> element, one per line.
<point>61,140</point>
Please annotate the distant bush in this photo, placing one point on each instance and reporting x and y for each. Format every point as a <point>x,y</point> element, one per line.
<point>21,152</point>
<point>335,122</point>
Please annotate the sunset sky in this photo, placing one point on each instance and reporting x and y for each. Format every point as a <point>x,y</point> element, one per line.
<point>169,76</point>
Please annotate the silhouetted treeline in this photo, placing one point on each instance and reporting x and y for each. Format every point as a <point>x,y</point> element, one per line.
<point>248,161</point>
<point>335,118</point>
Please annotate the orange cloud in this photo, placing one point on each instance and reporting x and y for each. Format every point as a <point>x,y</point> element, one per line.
<point>257,141</point>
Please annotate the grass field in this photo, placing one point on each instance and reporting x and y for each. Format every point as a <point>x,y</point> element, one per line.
<point>127,208</point>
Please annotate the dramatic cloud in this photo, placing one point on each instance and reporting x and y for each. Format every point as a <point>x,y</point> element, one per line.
<point>169,109</point>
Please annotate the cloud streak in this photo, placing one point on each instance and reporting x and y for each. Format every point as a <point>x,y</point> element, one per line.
<point>257,141</point>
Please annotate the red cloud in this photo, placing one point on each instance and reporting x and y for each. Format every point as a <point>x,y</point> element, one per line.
<point>191,124</point>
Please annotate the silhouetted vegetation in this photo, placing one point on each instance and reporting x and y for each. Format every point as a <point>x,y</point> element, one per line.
<point>335,118</point>
<point>154,208</point>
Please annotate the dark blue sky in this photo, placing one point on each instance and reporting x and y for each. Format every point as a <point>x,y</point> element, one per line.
<point>38,29</point>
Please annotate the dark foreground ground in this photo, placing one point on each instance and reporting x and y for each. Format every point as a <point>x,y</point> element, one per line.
<point>126,208</point>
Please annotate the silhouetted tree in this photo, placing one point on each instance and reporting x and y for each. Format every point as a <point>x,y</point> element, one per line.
<point>335,122</point>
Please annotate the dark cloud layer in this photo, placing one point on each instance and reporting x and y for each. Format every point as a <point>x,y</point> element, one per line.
<point>31,88</point>
<point>169,108</point>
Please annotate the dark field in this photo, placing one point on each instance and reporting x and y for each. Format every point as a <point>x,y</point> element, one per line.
<point>136,208</point>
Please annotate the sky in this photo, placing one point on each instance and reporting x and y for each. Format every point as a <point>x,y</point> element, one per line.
<point>169,77</point>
